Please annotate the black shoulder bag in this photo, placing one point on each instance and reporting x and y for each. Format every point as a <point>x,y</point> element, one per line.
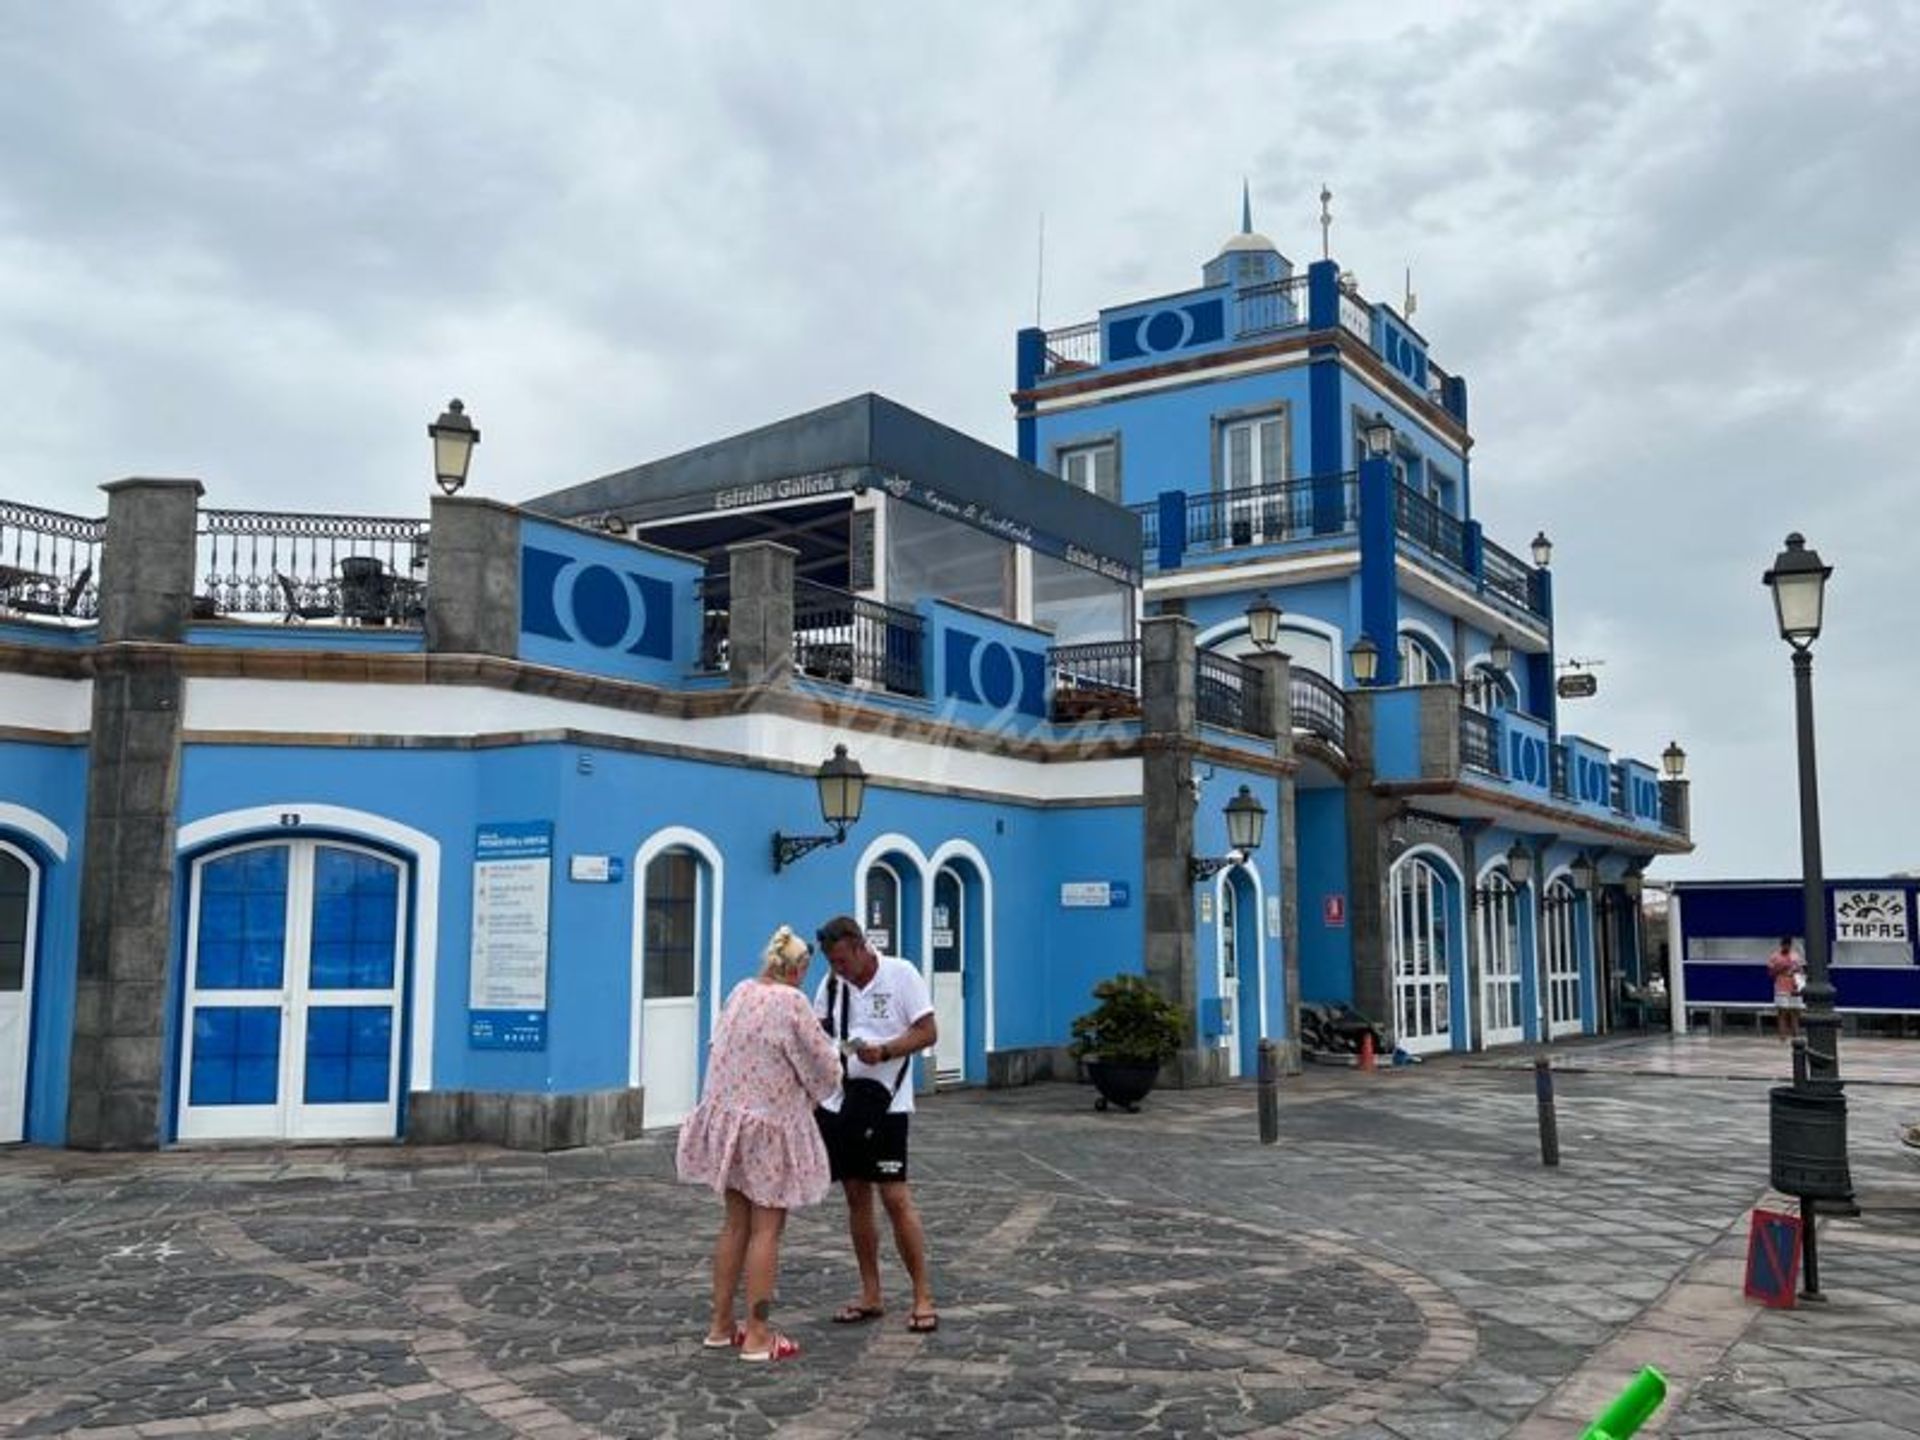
<point>864,1103</point>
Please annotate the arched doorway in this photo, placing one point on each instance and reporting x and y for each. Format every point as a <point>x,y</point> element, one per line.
<point>952,938</point>
<point>882,918</point>
<point>1422,955</point>
<point>1239,960</point>
<point>19,927</point>
<point>672,926</point>
<point>1502,1021</point>
<point>1562,946</point>
<point>295,976</point>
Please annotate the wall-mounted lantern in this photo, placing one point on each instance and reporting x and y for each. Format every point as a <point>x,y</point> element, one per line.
<point>843,791</point>
<point>1246,823</point>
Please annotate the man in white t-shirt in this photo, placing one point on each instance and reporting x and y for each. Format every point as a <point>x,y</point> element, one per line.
<point>878,1010</point>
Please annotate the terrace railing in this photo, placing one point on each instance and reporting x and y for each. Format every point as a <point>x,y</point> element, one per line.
<point>1270,514</point>
<point>844,637</point>
<point>49,563</point>
<point>1479,741</point>
<point>1356,317</point>
<point>366,569</point>
<point>1507,574</point>
<point>1276,305</point>
<point>714,592</point>
<point>1095,681</point>
<point>1670,816</point>
<point>1319,707</point>
<point>1229,693</point>
<point>1073,347</point>
<point>1425,524</point>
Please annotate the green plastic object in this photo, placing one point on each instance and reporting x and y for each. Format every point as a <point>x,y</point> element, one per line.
<point>1631,1408</point>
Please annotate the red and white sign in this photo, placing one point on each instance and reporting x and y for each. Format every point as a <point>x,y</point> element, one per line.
<point>1333,910</point>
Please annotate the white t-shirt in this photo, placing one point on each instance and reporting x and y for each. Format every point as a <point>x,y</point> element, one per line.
<point>894,999</point>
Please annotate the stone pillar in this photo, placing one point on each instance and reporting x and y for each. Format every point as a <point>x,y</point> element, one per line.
<point>1366,823</point>
<point>760,613</point>
<point>473,578</point>
<point>1439,732</point>
<point>133,777</point>
<point>1170,727</point>
<point>1676,800</point>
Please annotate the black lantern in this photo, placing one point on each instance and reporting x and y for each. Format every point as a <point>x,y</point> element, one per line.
<point>1246,824</point>
<point>1364,656</point>
<point>1263,622</point>
<point>1519,865</point>
<point>1673,760</point>
<point>1582,871</point>
<point>1542,549</point>
<point>1631,885</point>
<point>1799,584</point>
<point>1376,437</point>
<point>843,792</point>
<point>453,437</point>
<point>1501,654</point>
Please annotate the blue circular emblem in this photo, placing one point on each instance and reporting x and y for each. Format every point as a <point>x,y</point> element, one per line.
<point>602,606</point>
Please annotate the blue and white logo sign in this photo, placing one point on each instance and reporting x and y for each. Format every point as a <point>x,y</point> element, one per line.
<point>995,674</point>
<point>1160,332</point>
<point>585,602</point>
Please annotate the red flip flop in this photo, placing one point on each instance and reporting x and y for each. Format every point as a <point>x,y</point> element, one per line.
<point>781,1349</point>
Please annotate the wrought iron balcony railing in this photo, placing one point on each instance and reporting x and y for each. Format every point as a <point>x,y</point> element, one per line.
<point>1423,523</point>
<point>1479,741</point>
<point>49,563</point>
<point>1098,681</point>
<point>346,569</point>
<point>1229,693</point>
<point>1319,707</point>
<point>843,637</point>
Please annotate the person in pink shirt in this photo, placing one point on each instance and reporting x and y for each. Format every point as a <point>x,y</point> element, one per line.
<point>753,1140</point>
<point>1787,970</point>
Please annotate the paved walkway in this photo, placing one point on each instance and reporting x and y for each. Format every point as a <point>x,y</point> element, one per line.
<point>1723,1057</point>
<point>1400,1267</point>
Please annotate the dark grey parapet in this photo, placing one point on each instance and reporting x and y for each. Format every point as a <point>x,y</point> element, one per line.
<point>147,559</point>
<point>524,1121</point>
<point>760,613</point>
<point>473,578</point>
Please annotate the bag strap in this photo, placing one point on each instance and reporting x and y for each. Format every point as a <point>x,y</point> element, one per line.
<point>846,994</point>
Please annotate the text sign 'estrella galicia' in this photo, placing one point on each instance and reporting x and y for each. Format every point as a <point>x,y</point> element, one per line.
<point>565,598</point>
<point>988,672</point>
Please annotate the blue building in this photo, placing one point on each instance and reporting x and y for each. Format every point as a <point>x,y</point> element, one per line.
<point>462,825</point>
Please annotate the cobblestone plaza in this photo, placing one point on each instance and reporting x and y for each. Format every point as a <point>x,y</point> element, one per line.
<point>1399,1265</point>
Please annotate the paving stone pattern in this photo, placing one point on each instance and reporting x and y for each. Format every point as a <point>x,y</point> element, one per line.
<point>1399,1267</point>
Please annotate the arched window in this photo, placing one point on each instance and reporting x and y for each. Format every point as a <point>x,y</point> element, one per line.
<point>1490,691</point>
<point>1420,662</point>
<point>1306,649</point>
<point>882,920</point>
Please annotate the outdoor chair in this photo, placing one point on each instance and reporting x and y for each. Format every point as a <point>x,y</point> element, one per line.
<point>296,612</point>
<point>62,607</point>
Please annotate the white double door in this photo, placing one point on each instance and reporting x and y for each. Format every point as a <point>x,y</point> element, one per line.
<point>1501,1020</point>
<point>295,976</point>
<point>19,905</point>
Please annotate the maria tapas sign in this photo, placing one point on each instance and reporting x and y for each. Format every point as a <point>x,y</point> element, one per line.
<point>1579,685</point>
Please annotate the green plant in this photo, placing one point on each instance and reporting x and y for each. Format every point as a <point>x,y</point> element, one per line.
<point>1133,1024</point>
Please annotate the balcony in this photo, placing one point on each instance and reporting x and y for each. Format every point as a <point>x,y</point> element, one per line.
<point>1199,528</point>
<point>1505,764</point>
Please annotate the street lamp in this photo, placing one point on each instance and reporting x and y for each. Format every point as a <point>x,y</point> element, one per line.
<point>843,791</point>
<point>1364,656</point>
<point>1501,654</point>
<point>1673,760</point>
<point>1542,550</point>
<point>1246,823</point>
<point>1631,885</point>
<point>453,437</point>
<point>1582,872</point>
<point>1798,580</point>
<point>1376,437</point>
<point>1519,865</point>
<point>1263,622</point>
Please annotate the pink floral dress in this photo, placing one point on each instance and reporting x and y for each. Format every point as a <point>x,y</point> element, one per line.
<point>754,1131</point>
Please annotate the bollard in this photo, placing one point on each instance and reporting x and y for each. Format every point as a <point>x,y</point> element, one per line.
<point>1549,1123</point>
<point>1269,1092</point>
<point>1631,1409</point>
<point>1366,1049</point>
<point>1799,1059</point>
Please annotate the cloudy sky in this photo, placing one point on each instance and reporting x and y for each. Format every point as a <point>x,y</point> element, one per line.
<point>1674,248</point>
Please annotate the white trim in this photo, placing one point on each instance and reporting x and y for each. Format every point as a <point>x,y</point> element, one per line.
<point>36,825</point>
<point>1529,635</point>
<point>30,964</point>
<point>1518,895</point>
<point>295,709</point>
<point>1432,637</point>
<point>39,702</point>
<point>1289,620</point>
<point>420,846</point>
<point>673,837</point>
<point>1063,403</point>
<point>1259,940</point>
<point>1197,577</point>
<point>966,850</point>
<point>1676,968</point>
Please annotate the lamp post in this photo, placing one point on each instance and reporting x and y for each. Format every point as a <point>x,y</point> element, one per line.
<point>454,437</point>
<point>1673,760</point>
<point>1246,823</point>
<point>1542,550</point>
<point>843,792</point>
<point>1798,580</point>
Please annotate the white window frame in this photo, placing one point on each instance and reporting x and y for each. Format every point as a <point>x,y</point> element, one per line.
<point>1502,1021</point>
<point>1422,974</point>
<point>1264,515</point>
<point>1560,944</point>
<point>1079,466</point>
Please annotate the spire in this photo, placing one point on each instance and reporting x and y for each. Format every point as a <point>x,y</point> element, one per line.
<point>1246,207</point>
<point>1326,221</point>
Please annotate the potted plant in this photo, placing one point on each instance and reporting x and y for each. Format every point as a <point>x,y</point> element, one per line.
<point>1126,1038</point>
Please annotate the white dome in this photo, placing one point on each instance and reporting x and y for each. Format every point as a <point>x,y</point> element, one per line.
<point>1248,240</point>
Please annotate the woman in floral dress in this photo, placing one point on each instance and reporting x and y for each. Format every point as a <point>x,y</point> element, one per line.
<point>753,1137</point>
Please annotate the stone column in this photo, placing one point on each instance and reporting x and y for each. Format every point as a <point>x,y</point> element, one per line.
<point>473,578</point>
<point>760,613</point>
<point>1170,727</point>
<point>1366,822</point>
<point>133,777</point>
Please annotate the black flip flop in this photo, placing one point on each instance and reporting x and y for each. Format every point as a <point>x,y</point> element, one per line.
<point>858,1314</point>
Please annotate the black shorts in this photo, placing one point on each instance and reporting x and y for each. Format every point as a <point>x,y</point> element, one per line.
<point>880,1157</point>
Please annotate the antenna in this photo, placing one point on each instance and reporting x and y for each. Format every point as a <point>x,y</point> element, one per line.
<point>1412,299</point>
<point>1040,272</point>
<point>1326,220</point>
<point>1570,663</point>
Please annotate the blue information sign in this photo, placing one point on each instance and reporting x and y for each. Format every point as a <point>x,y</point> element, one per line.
<point>512,883</point>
